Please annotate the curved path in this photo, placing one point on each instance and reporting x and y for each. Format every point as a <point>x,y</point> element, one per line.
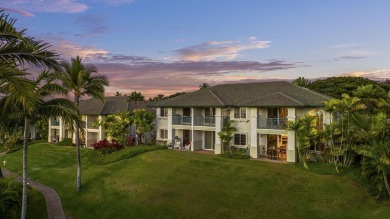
<point>53,201</point>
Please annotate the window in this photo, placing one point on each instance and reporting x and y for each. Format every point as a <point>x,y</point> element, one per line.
<point>240,139</point>
<point>240,113</point>
<point>163,134</point>
<point>320,121</point>
<point>209,112</point>
<point>163,112</point>
<point>279,113</point>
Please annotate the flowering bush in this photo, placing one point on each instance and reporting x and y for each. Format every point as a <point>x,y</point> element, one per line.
<point>105,147</point>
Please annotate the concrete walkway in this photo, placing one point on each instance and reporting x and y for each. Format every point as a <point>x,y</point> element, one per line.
<point>53,201</point>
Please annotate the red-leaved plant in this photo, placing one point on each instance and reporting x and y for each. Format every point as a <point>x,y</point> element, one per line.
<point>105,147</point>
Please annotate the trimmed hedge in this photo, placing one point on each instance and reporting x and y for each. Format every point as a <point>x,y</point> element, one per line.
<point>65,142</point>
<point>95,157</point>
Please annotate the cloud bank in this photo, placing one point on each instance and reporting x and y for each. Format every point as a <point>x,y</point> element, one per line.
<point>374,75</point>
<point>165,75</point>
<point>220,50</point>
<point>27,7</point>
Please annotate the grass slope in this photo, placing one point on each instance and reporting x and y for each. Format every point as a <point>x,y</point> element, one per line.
<point>173,184</point>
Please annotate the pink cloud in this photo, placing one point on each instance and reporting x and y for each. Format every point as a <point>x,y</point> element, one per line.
<point>58,6</point>
<point>225,50</point>
<point>374,75</point>
<point>24,13</point>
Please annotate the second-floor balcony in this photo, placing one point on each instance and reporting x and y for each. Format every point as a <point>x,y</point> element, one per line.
<point>204,121</point>
<point>181,120</point>
<point>198,120</point>
<point>271,123</point>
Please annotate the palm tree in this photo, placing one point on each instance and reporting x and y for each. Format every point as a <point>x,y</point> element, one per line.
<point>305,135</point>
<point>143,120</point>
<point>57,107</point>
<point>16,50</point>
<point>136,97</point>
<point>373,97</point>
<point>81,80</point>
<point>226,134</point>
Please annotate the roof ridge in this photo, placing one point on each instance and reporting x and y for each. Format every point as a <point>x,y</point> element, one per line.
<point>229,103</point>
<point>216,97</point>
<point>291,98</point>
<point>101,110</point>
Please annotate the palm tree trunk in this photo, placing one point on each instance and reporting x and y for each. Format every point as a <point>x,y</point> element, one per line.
<point>77,133</point>
<point>24,197</point>
<point>386,182</point>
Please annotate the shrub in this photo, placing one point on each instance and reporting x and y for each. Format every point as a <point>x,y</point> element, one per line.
<point>130,141</point>
<point>236,153</point>
<point>65,142</point>
<point>11,142</point>
<point>10,198</point>
<point>104,147</point>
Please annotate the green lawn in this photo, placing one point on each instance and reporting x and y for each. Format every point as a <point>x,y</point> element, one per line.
<point>178,184</point>
<point>36,207</point>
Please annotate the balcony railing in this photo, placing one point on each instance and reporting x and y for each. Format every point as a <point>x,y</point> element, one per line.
<point>181,120</point>
<point>204,121</point>
<point>271,123</point>
<point>55,122</point>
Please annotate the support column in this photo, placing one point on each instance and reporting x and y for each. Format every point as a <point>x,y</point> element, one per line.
<point>101,134</point>
<point>170,130</point>
<point>291,152</point>
<point>49,135</point>
<point>192,130</point>
<point>253,147</point>
<point>218,128</point>
<point>62,130</point>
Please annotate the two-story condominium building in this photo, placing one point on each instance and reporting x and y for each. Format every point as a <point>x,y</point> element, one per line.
<point>93,110</point>
<point>260,112</point>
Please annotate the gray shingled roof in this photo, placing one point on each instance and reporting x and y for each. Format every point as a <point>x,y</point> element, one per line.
<point>260,94</point>
<point>110,105</point>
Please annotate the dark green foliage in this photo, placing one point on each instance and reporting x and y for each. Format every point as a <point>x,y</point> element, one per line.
<point>236,153</point>
<point>43,127</point>
<point>95,157</point>
<point>65,142</point>
<point>336,86</point>
<point>301,81</point>
<point>10,198</point>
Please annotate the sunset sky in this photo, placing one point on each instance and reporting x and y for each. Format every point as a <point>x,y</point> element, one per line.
<point>164,47</point>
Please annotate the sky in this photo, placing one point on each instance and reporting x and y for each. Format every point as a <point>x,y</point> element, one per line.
<point>168,46</point>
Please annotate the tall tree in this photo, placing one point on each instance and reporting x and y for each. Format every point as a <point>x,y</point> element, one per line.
<point>203,86</point>
<point>336,86</point>
<point>82,80</point>
<point>301,81</point>
<point>143,120</point>
<point>136,97</point>
<point>373,97</point>
<point>157,98</point>
<point>226,134</point>
<point>16,50</point>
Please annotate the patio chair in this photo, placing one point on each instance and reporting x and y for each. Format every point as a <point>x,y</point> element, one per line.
<point>177,145</point>
<point>187,147</point>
